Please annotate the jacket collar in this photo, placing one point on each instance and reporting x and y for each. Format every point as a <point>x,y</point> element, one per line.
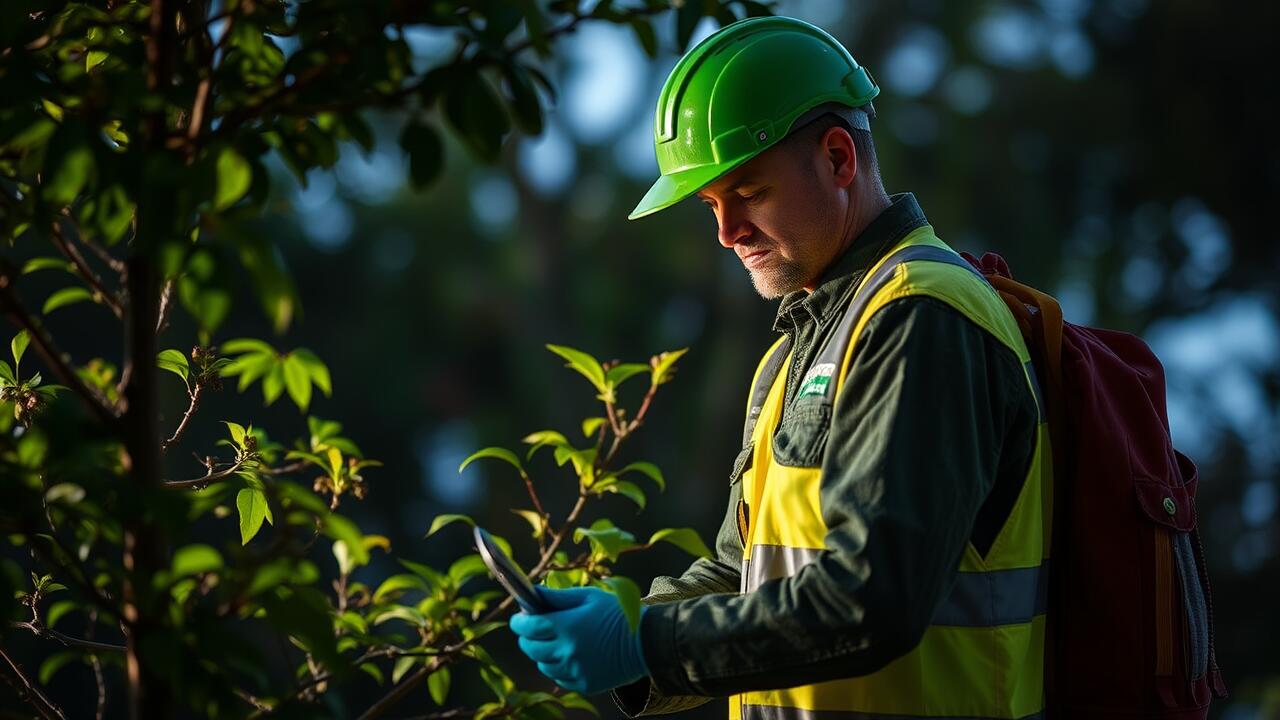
<point>843,275</point>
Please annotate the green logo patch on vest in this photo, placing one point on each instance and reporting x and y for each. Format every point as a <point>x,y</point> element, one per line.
<point>816,380</point>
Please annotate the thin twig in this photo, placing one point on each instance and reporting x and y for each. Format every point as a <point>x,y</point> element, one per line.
<point>85,272</point>
<point>31,692</point>
<point>39,630</point>
<point>111,261</point>
<point>186,417</point>
<point>211,477</point>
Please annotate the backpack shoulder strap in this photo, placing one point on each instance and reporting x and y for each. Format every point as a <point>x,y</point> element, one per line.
<point>837,343</point>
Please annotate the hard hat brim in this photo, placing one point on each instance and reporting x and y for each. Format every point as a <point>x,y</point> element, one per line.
<point>668,190</point>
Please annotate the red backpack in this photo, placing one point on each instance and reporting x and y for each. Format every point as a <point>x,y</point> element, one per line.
<point>1130,617</point>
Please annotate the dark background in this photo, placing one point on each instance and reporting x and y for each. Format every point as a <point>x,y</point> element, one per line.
<point>1120,155</point>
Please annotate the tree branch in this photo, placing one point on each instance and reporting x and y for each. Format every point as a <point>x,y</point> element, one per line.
<point>31,692</point>
<point>212,477</point>
<point>97,405</point>
<point>186,417</point>
<point>85,272</point>
<point>38,629</point>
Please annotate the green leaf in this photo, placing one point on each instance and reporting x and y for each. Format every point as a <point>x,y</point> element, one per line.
<point>467,567</point>
<point>175,362</point>
<point>525,104</point>
<point>648,469</point>
<point>59,610</point>
<point>338,527</point>
<point>298,380</point>
<point>645,34</point>
<point>591,425</point>
<point>195,559</point>
<point>477,115</point>
<point>65,296</point>
<point>247,345</point>
<point>619,373</point>
<point>273,383</point>
<point>252,505</point>
<point>578,702</point>
<point>664,366</point>
<point>422,144</point>
<point>56,662</point>
<point>432,576</point>
<point>687,18</point>
<point>494,452</point>
<point>442,520</point>
<point>237,432</point>
<point>588,366</point>
<point>438,685</point>
<point>401,667</point>
<point>543,438</point>
<point>622,487</point>
<point>684,538</point>
<point>68,164</point>
<point>398,584</point>
<point>628,596</point>
<point>235,175</point>
<point>534,521</point>
<point>605,538</point>
<point>317,370</point>
<point>46,263</point>
<point>19,347</point>
<point>6,374</point>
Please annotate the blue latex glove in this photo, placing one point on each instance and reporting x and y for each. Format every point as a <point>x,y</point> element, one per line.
<point>584,644</point>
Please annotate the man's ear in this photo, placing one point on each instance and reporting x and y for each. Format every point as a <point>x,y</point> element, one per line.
<point>840,158</point>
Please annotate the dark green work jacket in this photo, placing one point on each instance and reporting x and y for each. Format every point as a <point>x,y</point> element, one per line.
<point>931,401</point>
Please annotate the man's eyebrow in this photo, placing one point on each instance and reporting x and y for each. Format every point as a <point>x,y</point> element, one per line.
<point>735,186</point>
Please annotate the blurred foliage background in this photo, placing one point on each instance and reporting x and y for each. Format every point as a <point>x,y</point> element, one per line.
<point>1118,153</point>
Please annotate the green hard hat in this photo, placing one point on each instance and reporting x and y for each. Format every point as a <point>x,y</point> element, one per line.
<point>737,93</point>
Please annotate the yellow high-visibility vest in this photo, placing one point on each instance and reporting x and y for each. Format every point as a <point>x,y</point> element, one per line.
<point>982,656</point>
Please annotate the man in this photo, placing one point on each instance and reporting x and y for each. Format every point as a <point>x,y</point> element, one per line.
<point>883,548</point>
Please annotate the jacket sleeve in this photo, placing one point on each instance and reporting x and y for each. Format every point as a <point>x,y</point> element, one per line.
<point>721,574</point>
<point>914,446</point>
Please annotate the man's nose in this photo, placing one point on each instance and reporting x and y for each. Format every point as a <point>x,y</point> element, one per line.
<point>734,227</point>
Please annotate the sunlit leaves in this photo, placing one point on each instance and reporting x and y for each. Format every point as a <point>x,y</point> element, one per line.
<point>684,538</point>
<point>251,503</point>
<point>65,297</point>
<point>442,520</point>
<point>628,597</point>
<point>498,453</point>
<point>664,366</point>
<point>234,178</point>
<point>583,363</point>
<point>605,538</point>
<point>175,362</point>
<point>297,371</point>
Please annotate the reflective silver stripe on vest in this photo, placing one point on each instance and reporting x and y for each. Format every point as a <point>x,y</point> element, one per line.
<point>996,597</point>
<point>773,712</point>
<point>977,599</point>
<point>768,562</point>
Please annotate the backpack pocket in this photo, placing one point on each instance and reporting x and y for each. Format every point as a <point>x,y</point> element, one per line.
<point>1182,617</point>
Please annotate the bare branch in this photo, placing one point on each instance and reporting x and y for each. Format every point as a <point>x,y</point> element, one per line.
<point>212,477</point>
<point>31,692</point>
<point>85,272</point>
<point>186,417</point>
<point>38,629</point>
